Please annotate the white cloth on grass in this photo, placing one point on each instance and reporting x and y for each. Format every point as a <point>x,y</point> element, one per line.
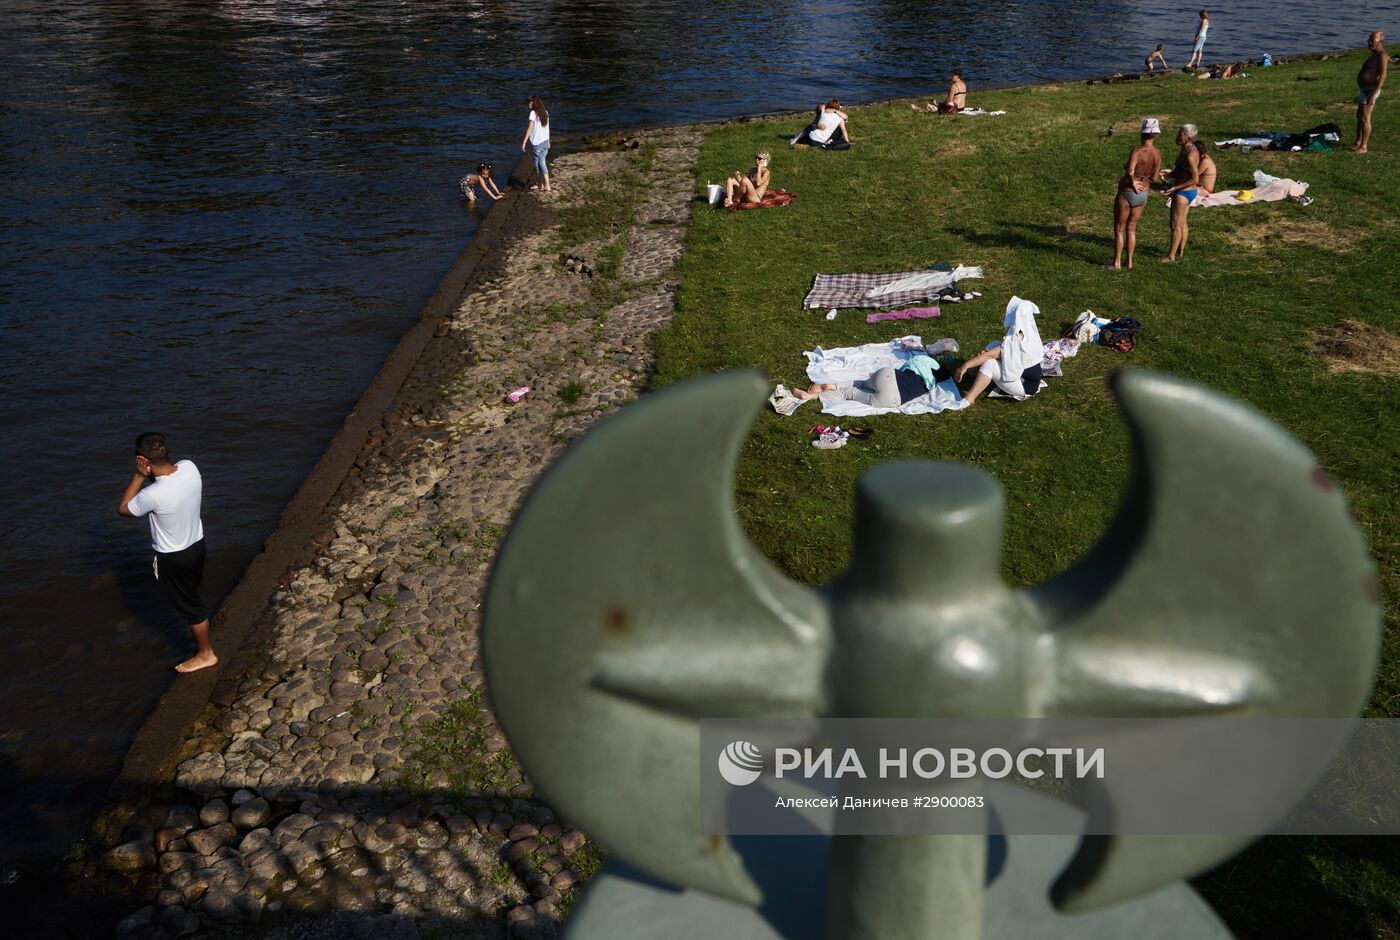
<point>1266,189</point>
<point>978,112</point>
<point>925,280</point>
<point>857,363</point>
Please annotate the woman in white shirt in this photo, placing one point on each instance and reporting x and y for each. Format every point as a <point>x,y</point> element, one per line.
<point>537,139</point>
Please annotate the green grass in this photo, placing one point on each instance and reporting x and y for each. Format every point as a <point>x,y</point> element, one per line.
<point>1028,196</point>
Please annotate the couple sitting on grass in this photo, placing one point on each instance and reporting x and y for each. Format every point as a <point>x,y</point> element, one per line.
<point>827,130</point>
<point>1013,363</point>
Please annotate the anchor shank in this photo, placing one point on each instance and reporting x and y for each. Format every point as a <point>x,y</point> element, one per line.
<point>906,887</point>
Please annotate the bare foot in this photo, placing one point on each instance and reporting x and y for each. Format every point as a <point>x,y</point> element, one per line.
<point>1359,149</point>
<point>197,662</point>
<point>1111,267</point>
<point>1166,260</point>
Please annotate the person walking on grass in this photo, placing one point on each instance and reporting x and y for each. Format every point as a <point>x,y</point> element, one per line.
<point>1369,80</point>
<point>537,139</point>
<point>1143,166</point>
<point>1198,50</point>
<point>1184,181</point>
<point>1155,57</point>
<point>171,502</point>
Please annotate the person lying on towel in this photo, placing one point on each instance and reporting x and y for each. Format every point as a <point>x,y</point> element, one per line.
<point>749,187</point>
<point>1013,363</point>
<point>889,387</point>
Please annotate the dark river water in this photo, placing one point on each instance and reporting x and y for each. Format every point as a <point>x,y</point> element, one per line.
<point>220,216</point>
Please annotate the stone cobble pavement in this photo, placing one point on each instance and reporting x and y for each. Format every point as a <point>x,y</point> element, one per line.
<point>305,806</point>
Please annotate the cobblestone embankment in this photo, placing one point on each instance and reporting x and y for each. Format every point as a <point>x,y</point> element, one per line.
<point>354,783</point>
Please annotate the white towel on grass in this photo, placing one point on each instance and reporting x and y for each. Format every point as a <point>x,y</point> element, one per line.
<point>925,280</point>
<point>1266,189</point>
<point>856,363</point>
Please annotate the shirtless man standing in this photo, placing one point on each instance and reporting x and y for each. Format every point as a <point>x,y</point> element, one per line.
<point>1369,80</point>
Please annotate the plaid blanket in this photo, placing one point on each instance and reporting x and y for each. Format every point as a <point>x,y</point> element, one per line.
<point>854,290</point>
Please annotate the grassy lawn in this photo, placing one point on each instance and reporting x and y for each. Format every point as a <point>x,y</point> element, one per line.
<point>1028,196</point>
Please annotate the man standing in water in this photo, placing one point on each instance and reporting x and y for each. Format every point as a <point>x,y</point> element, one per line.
<point>1369,80</point>
<point>177,535</point>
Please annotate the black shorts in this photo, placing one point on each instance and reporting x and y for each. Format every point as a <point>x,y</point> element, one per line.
<point>179,574</point>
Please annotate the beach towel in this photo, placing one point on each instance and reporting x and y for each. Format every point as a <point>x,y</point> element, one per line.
<point>854,363</point>
<point>871,290</point>
<point>1266,189</point>
<point>774,197</point>
<point>978,112</point>
<point>908,313</point>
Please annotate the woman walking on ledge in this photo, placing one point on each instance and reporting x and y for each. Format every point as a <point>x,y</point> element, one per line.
<point>537,139</point>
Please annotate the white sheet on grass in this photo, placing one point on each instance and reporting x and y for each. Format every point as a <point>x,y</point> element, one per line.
<point>925,280</point>
<point>1266,189</point>
<point>852,363</point>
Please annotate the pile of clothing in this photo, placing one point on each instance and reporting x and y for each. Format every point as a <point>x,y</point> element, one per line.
<point>1314,138</point>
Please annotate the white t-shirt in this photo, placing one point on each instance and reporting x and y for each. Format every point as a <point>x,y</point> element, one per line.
<point>539,133</point>
<point>172,502</point>
<point>826,126</point>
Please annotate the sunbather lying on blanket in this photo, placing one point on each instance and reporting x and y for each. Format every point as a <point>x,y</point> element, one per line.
<point>749,187</point>
<point>1013,363</point>
<point>889,387</point>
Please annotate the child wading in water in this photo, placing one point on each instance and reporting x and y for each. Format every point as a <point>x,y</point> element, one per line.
<point>482,177</point>
<point>1155,57</point>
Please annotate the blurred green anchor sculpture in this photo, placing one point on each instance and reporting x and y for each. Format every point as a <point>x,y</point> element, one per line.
<point>627,604</point>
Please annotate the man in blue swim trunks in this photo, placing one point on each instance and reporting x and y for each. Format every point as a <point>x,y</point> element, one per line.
<point>1369,80</point>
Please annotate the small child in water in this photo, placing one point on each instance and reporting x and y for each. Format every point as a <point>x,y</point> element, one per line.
<point>1156,57</point>
<point>482,177</point>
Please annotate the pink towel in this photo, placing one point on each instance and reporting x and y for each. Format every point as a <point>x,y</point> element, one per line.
<point>908,313</point>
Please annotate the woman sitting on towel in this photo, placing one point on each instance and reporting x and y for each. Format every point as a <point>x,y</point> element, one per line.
<point>1144,163</point>
<point>889,387</point>
<point>749,188</point>
<point>1013,363</point>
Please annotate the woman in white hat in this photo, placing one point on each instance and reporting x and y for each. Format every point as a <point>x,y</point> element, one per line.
<point>1144,163</point>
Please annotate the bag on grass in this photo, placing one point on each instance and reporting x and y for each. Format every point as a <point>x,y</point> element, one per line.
<point>1120,334</point>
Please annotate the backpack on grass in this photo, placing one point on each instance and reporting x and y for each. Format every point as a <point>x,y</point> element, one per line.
<point>1121,334</point>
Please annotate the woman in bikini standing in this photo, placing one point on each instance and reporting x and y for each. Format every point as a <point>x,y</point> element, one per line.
<point>1185,176</point>
<point>1144,163</point>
